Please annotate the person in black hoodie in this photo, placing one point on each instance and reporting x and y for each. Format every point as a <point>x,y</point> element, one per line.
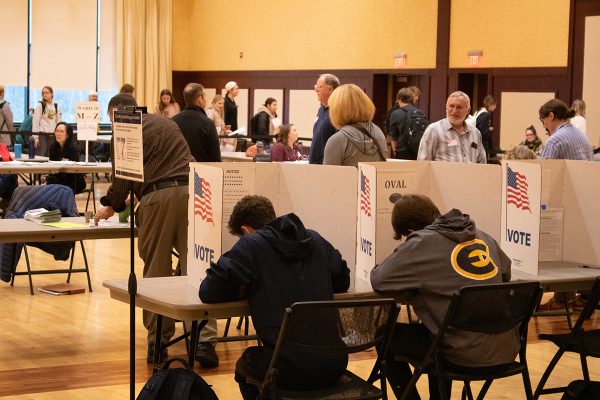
<point>277,262</point>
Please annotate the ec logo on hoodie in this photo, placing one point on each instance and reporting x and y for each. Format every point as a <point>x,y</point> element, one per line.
<point>472,260</point>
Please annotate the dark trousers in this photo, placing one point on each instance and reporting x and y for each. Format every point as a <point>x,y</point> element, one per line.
<point>254,362</point>
<point>413,341</point>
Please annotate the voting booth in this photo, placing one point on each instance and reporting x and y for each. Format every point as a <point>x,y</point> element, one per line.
<point>324,197</point>
<point>550,212</point>
<point>472,188</point>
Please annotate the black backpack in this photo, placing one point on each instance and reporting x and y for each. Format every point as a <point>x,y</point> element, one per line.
<point>254,123</point>
<point>413,129</point>
<point>176,384</point>
<point>582,390</point>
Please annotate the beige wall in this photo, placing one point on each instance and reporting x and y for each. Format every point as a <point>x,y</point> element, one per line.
<point>511,33</point>
<point>520,110</point>
<point>308,34</point>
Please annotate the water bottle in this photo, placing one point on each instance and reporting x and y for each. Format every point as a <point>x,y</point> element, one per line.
<point>18,150</point>
<point>31,148</point>
<point>260,148</point>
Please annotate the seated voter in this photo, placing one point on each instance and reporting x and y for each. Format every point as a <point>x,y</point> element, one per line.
<point>436,260</point>
<point>65,147</point>
<point>284,149</point>
<point>277,262</point>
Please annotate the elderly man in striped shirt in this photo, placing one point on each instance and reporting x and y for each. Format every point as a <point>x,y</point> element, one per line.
<point>452,139</point>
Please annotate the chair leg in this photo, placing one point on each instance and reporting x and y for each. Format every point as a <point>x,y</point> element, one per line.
<point>227,327</point>
<point>412,385</point>
<point>87,267</point>
<point>71,264</point>
<point>467,392</point>
<point>239,324</point>
<point>28,270</point>
<point>549,369</point>
<point>246,325</point>
<point>584,367</point>
<point>527,385</point>
<point>484,389</point>
<point>569,321</point>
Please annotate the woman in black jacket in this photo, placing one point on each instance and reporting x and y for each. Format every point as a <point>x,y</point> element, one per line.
<point>65,147</point>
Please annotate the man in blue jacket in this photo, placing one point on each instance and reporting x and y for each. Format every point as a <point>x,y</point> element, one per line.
<point>277,262</point>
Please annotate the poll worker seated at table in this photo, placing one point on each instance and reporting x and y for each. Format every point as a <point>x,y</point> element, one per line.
<point>441,254</point>
<point>277,262</point>
<point>285,149</point>
<point>65,147</point>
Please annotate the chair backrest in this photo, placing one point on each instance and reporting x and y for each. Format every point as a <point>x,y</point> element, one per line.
<point>50,197</point>
<point>493,308</point>
<point>336,326</point>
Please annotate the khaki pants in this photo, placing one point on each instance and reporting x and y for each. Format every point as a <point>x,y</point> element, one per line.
<point>162,226</point>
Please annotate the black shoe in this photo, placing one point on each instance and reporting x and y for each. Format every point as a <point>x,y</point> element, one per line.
<point>206,355</point>
<point>150,358</point>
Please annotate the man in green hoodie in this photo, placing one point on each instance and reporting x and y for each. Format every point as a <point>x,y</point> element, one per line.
<point>441,254</point>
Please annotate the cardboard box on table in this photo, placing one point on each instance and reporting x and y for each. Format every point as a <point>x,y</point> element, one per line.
<point>324,197</point>
<point>472,188</point>
<point>566,203</point>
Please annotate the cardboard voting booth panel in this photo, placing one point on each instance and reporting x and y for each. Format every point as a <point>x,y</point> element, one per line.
<point>568,214</point>
<point>473,188</point>
<point>379,184</point>
<point>581,233</point>
<point>521,189</point>
<point>324,197</point>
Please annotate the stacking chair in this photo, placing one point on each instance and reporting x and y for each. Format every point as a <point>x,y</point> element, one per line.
<point>578,340</point>
<point>486,309</point>
<point>358,324</point>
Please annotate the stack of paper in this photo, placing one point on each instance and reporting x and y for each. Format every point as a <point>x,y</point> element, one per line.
<point>41,215</point>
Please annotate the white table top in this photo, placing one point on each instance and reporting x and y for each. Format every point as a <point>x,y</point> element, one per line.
<point>176,298</point>
<point>49,167</point>
<point>235,156</point>
<point>21,230</point>
<point>561,276</point>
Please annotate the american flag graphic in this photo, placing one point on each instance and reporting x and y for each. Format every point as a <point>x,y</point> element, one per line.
<point>516,189</point>
<point>202,198</point>
<point>365,194</point>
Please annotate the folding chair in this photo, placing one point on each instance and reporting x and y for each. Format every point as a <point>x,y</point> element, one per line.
<point>50,197</point>
<point>333,327</point>
<point>486,309</point>
<point>578,340</point>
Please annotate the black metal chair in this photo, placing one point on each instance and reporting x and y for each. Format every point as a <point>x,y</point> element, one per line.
<point>486,309</point>
<point>578,340</point>
<point>356,325</point>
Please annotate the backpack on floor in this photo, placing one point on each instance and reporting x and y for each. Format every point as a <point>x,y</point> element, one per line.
<point>176,384</point>
<point>582,390</point>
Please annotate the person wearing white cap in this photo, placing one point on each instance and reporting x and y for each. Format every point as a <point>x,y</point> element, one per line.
<point>93,96</point>
<point>230,106</point>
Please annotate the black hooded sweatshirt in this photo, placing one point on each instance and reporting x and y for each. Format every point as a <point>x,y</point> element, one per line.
<point>274,267</point>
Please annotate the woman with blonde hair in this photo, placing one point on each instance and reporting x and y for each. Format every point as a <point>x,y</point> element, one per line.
<point>358,139</point>
<point>215,113</point>
<point>578,121</point>
<point>167,106</point>
<point>521,152</point>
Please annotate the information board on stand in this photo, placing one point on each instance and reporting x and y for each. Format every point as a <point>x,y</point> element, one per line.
<point>128,155</point>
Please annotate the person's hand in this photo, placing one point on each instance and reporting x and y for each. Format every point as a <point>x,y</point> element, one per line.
<point>251,151</point>
<point>104,213</point>
<point>36,142</point>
